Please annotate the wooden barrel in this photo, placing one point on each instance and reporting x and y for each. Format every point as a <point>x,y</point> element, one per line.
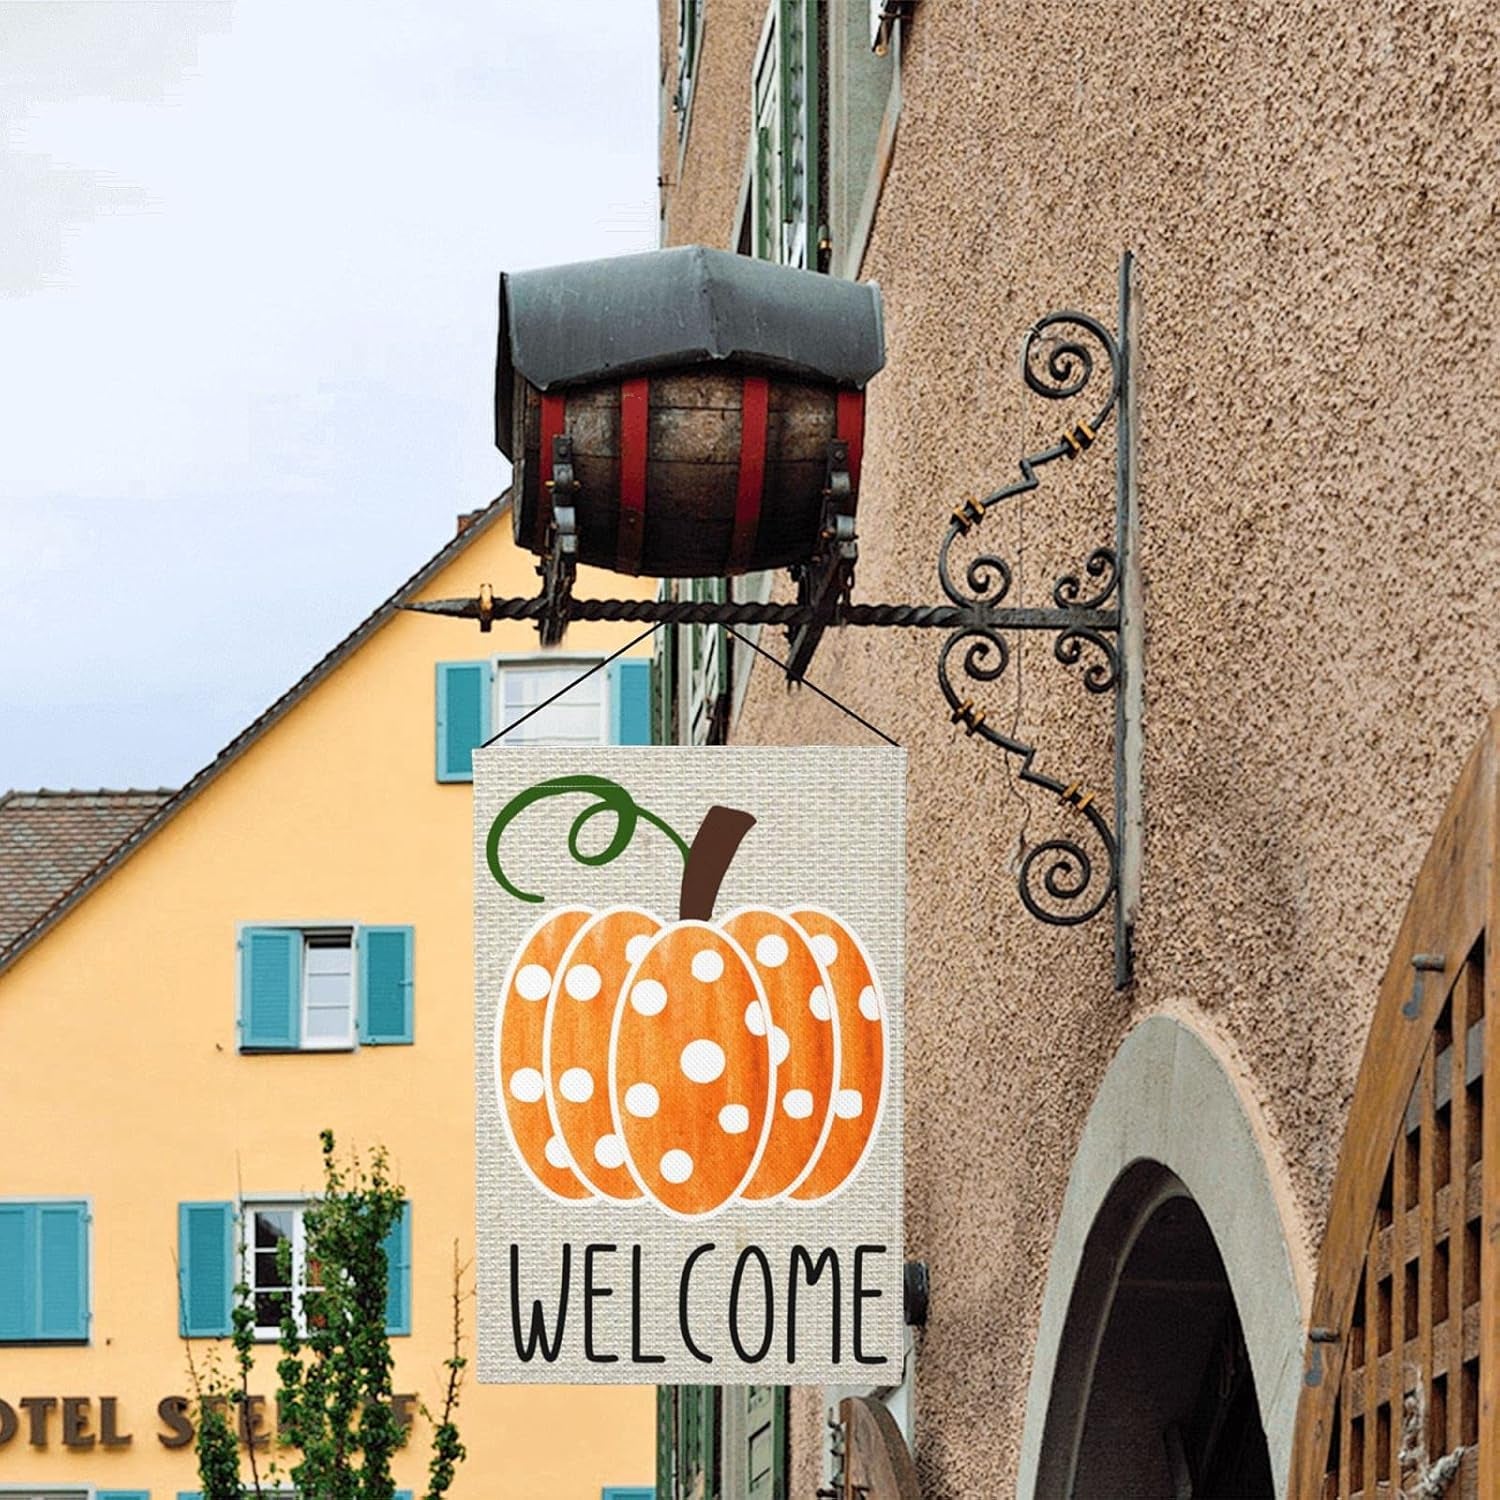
<point>702,473</point>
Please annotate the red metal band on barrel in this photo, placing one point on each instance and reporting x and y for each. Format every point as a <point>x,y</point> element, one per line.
<point>849,425</point>
<point>635,406</point>
<point>755,401</point>
<point>554,423</point>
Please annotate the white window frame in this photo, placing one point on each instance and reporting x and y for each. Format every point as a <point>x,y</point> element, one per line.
<point>349,1042</point>
<point>544,661</point>
<point>279,1203</point>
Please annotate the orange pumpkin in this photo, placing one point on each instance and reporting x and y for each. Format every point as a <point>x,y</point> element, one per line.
<point>520,1085</point>
<point>695,1064</point>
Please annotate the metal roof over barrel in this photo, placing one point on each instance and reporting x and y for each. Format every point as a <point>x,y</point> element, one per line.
<point>674,309</point>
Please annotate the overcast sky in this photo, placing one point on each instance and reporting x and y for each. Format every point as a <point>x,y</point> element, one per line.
<point>248,264</point>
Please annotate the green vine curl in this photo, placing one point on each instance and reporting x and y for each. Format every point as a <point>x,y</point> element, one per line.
<point>610,797</point>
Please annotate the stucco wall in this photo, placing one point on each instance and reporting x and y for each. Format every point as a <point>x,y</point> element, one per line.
<point>1310,190</point>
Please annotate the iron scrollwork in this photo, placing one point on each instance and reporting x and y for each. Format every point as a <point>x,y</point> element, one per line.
<point>1059,881</point>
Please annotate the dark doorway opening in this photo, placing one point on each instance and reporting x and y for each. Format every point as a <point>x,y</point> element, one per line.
<point>1153,1398</point>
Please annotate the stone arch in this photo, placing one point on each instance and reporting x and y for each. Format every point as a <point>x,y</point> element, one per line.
<point>1167,1123</point>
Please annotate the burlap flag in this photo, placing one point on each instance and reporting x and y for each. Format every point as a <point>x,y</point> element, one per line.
<point>688,1056</point>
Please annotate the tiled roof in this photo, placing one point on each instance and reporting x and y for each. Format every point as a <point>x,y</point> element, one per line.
<point>49,841</point>
<point>26,918</point>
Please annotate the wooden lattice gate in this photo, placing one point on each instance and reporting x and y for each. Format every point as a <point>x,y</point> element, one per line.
<point>1400,1393</point>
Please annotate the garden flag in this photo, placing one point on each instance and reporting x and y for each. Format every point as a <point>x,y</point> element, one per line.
<point>689,1042</point>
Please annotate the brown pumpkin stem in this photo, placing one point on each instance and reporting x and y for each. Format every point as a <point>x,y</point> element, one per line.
<point>714,846</point>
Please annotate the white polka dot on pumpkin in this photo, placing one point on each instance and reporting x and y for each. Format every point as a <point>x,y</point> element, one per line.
<point>817,1003</point>
<point>642,1101</point>
<point>609,1151</point>
<point>576,1085</point>
<point>734,1119</point>
<point>526,1085</point>
<point>702,1060</point>
<point>869,1004</point>
<point>781,1045</point>
<point>582,981</point>
<point>771,950</point>
<point>825,949</point>
<point>755,1018</point>
<point>648,998</point>
<point>677,1166</point>
<point>533,983</point>
<point>798,1103</point>
<point>557,1153</point>
<point>635,949</point>
<point>707,965</point>
<point>848,1104</point>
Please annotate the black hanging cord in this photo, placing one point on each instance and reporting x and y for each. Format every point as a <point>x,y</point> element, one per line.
<point>645,634</point>
<point>828,697</point>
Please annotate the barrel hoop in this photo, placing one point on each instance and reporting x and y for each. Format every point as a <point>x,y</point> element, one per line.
<point>849,427</point>
<point>755,402</point>
<point>554,423</point>
<point>635,407</point>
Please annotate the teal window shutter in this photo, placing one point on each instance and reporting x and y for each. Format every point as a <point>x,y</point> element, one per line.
<point>797,25</point>
<point>44,1273</point>
<point>17,1282</point>
<point>189,1495</point>
<point>463,716</point>
<point>630,700</point>
<point>398,1274</point>
<point>205,1268</point>
<point>765,1441</point>
<point>628,1492</point>
<point>766,163</point>
<point>666,1440</point>
<point>270,988</point>
<point>385,985</point>
<point>62,1275</point>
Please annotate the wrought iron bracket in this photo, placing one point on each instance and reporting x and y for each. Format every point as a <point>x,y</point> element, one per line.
<point>1098,613</point>
<point>1094,616</point>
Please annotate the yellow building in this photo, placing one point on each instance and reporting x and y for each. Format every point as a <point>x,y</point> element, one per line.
<point>192,985</point>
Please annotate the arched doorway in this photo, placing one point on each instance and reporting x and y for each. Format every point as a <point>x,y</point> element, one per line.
<point>1160,1400</point>
<point>1166,1360</point>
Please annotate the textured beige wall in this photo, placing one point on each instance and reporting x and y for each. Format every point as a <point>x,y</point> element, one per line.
<point>1311,191</point>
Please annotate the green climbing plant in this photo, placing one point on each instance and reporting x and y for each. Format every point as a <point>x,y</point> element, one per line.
<point>337,1428</point>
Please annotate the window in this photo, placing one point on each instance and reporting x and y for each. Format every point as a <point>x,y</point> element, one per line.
<point>44,1272</point>
<point>324,988</point>
<point>219,1244</point>
<point>864,107</point>
<point>273,1275</point>
<point>328,989</point>
<point>577,718</point>
<point>786,189</point>
<point>478,699</point>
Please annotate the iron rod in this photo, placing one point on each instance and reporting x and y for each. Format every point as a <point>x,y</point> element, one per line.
<point>708,612</point>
